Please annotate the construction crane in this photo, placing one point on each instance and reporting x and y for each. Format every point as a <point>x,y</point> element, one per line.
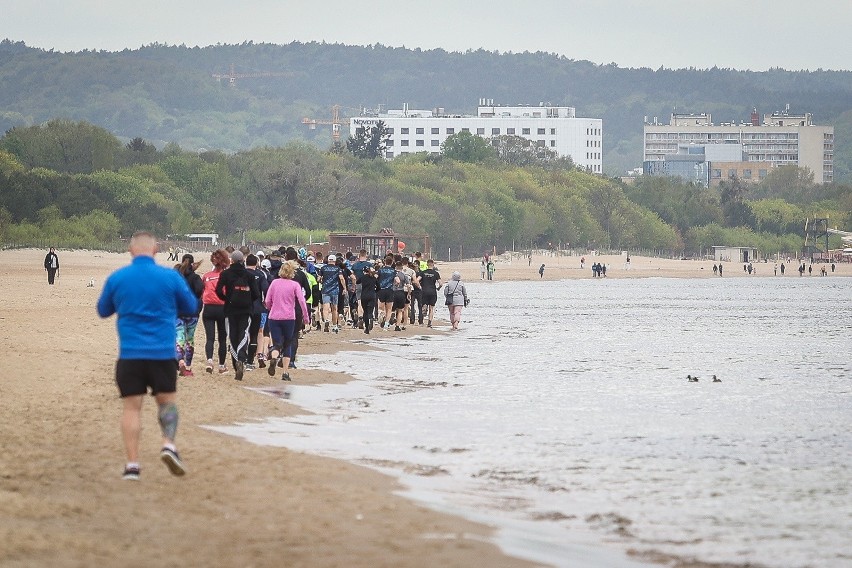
<point>232,75</point>
<point>335,122</point>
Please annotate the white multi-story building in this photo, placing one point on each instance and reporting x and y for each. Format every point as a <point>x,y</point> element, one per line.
<point>553,127</point>
<point>782,139</point>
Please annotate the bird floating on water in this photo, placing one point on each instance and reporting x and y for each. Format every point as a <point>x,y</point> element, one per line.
<point>691,379</point>
<point>716,380</point>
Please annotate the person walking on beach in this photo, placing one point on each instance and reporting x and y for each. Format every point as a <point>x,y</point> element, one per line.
<point>490,268</point>
<point>401,288</point>
<point>213,316</point>
<point>51,265</point>
<point>430,282</point>
<point>187,323</point>
<point>782,269</point>
<point>147,299</point>
<point>541,271</point>
<point>455,295</point>
<point>720,269</point>
<point>238,289</point>
<point>282,299</point>
<point>482,269</point>
<point>369,290</point>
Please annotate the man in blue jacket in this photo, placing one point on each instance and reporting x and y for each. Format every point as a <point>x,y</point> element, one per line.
<point>147,299</point>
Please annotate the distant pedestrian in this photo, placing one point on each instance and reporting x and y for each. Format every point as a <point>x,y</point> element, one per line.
<point>51,265</point>
<point>186,323</point>
<point>490,268</point>
<point>482,269</point>
<point>715,269</point>
<point>720,269</point>
<point>147,299</point>
<point>456,298</point>
<point>810,269</point>
<point>782,269</point>
<point>832,267</point>
<point>541,271</point>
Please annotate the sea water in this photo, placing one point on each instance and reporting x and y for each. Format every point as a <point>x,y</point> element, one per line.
<point>561,413</point>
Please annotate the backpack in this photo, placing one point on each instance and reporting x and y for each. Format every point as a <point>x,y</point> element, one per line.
<point>240,296</point>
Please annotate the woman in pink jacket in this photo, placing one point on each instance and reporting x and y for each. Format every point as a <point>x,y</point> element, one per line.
<point>281,299</point>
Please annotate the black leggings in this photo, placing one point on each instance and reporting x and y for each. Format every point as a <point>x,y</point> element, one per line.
<point>214,321</point>
<point>368,306</point>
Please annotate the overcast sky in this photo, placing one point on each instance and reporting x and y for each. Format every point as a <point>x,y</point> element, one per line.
<point>741,34</point>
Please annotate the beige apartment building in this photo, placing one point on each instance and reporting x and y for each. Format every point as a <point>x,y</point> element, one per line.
<point>781,139</point>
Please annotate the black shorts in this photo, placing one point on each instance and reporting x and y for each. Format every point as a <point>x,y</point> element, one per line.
<point>400,297</point>
<point>430,297</point>
<point>136,376</point>
<point>386,295</point>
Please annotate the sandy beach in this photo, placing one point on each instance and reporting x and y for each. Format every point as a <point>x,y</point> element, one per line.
<point>62,500</point>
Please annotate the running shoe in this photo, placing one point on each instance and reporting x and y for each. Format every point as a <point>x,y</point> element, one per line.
<point>285,377</point>
<point>397,328</point>
<point>172,460</point>
<point>209,367</point>
<point>223,369</point>
<point>239,369</point>
<point>261,363</point>
<point>250,367</point>
<point>131,474</point>
<point>292,365</point>
<point>273,364</point>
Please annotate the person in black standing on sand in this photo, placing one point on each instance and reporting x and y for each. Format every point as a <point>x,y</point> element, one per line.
<point>238,289</point>
<point>541,271</point>
<point>51,265</point>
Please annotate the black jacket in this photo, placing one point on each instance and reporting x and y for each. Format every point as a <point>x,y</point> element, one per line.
<point>225,288</point>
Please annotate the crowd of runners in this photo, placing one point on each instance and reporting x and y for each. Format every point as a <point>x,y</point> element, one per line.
<point>258,305</point>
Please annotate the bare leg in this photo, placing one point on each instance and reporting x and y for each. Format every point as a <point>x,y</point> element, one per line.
<point>131,425</point>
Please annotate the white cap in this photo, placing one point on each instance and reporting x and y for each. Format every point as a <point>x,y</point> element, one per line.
<point>260,253</point>
<point>311,258</point>
<point>332,258</point>
<point>265,264</point>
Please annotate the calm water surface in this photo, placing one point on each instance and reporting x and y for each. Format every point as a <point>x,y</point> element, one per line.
<point>561,412</point>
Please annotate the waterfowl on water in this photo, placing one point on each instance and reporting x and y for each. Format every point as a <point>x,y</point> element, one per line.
<point>716,380</point>
<point>691,379</point>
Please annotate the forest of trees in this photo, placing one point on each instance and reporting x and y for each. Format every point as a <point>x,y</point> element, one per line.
<point>77,185</point>
<point>168,94</point>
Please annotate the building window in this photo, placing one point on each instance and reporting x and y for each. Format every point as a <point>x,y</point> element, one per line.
<point>435,142</point>
<point>495,132</point>
<point>403,142</point>
<point>419,131</point>
<point>540,143</point>
<point>403,131</point>
<point>716,174</point>
<point>510,131</point>
<point>480,131</point>
<point>553,143</point>
<point>732,174</point>
<point>553,132</point>
<point>390,130</point>
<point>465,129</point>
<point>762,173</point>
<point>436,131</point>
<point>419,143</point>
<point>451,131</point>
<point>390,142</point>
<point>388,154</point>
<point>541,131</point>
<point>525,131</point>
<point>746,174</point>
